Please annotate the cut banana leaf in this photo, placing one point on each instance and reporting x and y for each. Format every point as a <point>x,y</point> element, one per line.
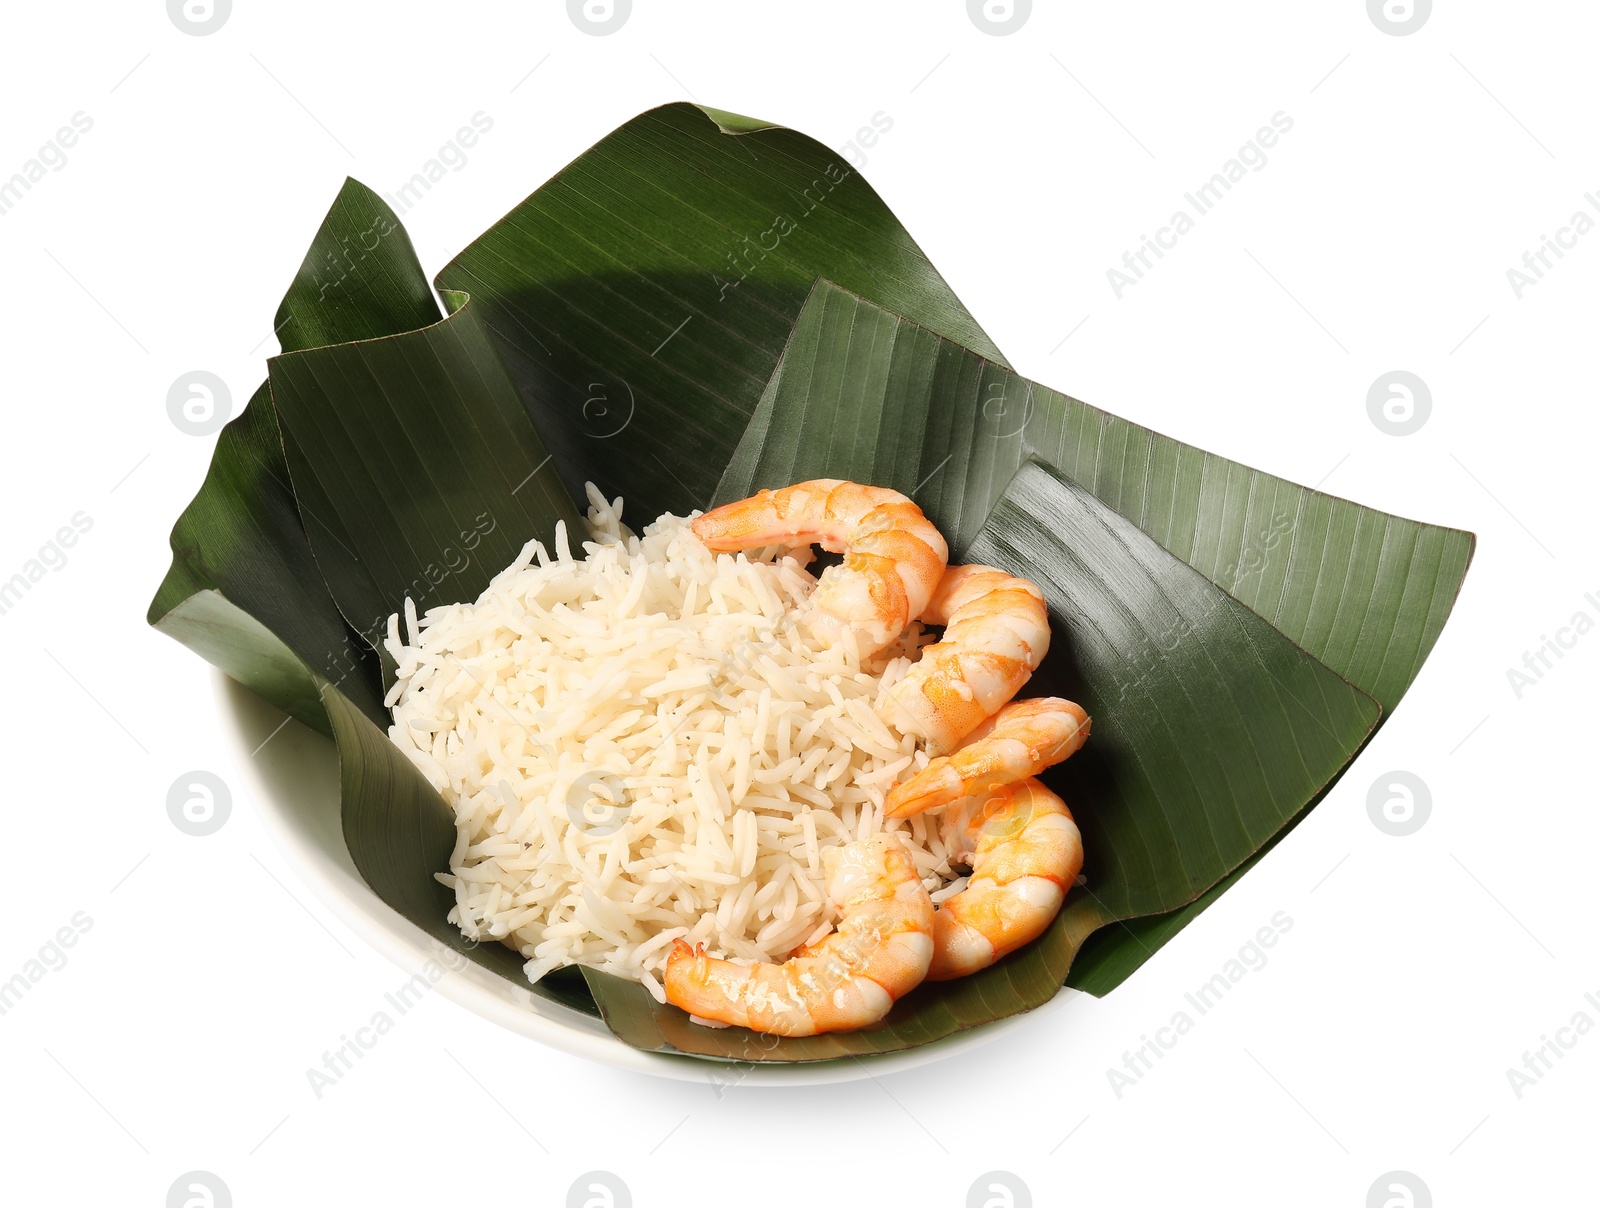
<point>867,394</point>
<point>635,309</point>
<point>388,498</point>
<point>428,478</point>
<point>643,296</point>
<point>1111,954</point>
<point>360,280</point>
<point>862,393</point>
<point>243,590</point>
<point>408,446</point>
<point>425,474</point>
<point>1211,730</point>
<point>426,459</point>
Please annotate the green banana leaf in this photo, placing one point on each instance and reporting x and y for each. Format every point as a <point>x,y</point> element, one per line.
<point>244,591</point>
<point>638,304</point>
<point>1211,730</point>
<point>866,389</point>
<point>436,497</point>
<point>644,294</point>
<point>1204,746</point>
<point>862,393</point>
<point>265,580</point>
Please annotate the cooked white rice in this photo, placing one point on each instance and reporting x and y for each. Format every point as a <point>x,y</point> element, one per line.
<point>643,744</point>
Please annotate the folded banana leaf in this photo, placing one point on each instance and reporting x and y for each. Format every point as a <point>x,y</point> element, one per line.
<point>1211,730</point>
<point>701,304</point>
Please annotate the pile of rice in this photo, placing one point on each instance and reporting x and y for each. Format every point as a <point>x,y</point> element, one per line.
<point>643,744</point>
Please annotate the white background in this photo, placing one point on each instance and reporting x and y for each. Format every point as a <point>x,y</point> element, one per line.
<point>1378,236</point>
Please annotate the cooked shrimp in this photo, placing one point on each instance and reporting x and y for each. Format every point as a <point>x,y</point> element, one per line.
<point>997,630</point>
<point>894,555</point>
<point>1025,851</point>
<point>880,950</point>
<point>1022,740</point>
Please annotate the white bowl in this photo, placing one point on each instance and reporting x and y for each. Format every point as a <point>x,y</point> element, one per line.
<point>297,774</point>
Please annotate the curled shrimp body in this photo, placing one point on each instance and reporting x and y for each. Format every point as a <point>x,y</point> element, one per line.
<point>1021,740</point>
<point>894,556</point>
<point>1020,839</point>
<point>880,950</point>
<point>1025,852</point>
<point>997,630</point>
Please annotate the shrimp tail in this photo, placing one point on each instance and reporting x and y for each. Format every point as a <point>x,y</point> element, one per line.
<point>682,951</point>
<point>937,784</point>
<point>880,950</point>
<point>1021,740</point>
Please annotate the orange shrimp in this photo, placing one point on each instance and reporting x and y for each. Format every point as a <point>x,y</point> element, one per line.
<point>880,950</point>
<point>894,556</point>
<point>1019,837</point>
<point>997,630</point>
<point>1023,739</point>
<point>1025,851</point>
